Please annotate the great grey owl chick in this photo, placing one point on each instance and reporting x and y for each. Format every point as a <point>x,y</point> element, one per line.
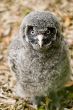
<point>38,56</point>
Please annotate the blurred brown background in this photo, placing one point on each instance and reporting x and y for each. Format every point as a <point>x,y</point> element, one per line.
<point>11,15</point>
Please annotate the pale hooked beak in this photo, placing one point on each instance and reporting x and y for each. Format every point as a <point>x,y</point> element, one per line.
<point>40,40</point>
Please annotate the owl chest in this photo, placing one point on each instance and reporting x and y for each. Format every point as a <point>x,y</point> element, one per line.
<point>35,64</point>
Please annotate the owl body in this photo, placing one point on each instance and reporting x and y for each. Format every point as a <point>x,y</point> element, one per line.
<point>39,71</point>
<point>40,68</point>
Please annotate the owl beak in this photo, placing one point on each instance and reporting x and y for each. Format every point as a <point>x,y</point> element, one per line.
<point>40,40</point>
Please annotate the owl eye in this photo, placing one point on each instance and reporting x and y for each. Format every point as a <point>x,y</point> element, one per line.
<point>48,31</point>
<point>51,30</point>
<point>31,30</point>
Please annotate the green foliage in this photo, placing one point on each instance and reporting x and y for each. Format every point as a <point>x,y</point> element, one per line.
<point>64,97</point>
<point>67,100</point>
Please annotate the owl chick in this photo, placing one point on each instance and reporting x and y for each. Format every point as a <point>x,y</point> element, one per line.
<point>38,57</point>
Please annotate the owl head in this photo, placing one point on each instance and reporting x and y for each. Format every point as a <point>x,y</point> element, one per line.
<point>41,30</point>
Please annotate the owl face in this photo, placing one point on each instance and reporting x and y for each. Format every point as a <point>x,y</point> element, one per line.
<point>41,29</point>
<point>40,37</point>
